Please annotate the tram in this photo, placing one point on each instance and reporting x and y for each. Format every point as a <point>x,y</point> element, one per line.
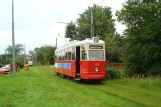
<point>81,60</point>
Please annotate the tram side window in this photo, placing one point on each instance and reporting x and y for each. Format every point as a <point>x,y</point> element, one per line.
<point>84,55</point>
<point>57,58</point>
<point>73,55</point>
<point>62,57</point>
<point>69,55</point>
<point>66,56</point>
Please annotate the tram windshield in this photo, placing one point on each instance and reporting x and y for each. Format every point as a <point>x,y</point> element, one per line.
<point>96,54</point>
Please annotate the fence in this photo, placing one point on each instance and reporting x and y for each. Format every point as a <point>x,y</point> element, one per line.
<point>115,65</point>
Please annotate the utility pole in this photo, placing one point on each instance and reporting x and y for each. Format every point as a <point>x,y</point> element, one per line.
<point>24,54</point>
<point>5,58</point>
<point>56,42</point>
<point>13,40</point>
<point>92,25</point>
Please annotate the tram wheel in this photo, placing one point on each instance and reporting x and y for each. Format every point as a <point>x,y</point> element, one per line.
<point>58,74</point>
<point>63,76</point>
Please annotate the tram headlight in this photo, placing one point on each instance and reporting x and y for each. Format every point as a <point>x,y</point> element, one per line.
<point>96,69</point>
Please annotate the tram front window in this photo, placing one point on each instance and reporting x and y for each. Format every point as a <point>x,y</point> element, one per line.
<point>96,54</point>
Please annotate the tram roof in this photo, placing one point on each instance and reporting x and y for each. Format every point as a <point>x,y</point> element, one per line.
<point>77,43</point>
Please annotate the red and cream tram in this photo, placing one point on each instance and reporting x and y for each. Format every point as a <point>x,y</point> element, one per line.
<point>81,60</point>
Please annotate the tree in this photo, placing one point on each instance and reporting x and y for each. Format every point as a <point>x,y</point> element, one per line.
<point>45,55</point>
<point>5,59</point>
<point>32,55</point>
<point>103,28</point>
<point>1,59</point>
<point>142,52</point>
<point>18,49</point>
<point>103,22</point>
<point>71,30</point>
<point>20,60</point>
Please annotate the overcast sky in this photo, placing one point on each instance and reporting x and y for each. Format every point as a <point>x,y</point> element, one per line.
<point>36,20</point>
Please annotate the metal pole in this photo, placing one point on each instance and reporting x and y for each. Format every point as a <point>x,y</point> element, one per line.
<point>93,25</point>
<point>56,42</point>
<point>24,54</point>
<point>5,58</point>
<point>92,28</point>
<point>13,40</point>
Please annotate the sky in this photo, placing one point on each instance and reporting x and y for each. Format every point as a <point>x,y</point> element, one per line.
<point>36,21</point>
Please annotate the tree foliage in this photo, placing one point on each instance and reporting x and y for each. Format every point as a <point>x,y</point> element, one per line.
<point>32,55</point>
<point>19,57</point>
<point>71,30</point>
<point>142,52</point>
<point>18,49</point>
<point>103,22</point>
<point>114,48</point>
<point>45,55</point>
<point>20,60</point>
<point>103,28</point>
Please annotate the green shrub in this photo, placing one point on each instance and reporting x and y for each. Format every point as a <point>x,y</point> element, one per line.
<point>21,65</point>
<point>113,73</point>
<point>20,61</point>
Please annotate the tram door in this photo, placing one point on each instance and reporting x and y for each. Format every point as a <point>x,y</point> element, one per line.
<point>77,60</point>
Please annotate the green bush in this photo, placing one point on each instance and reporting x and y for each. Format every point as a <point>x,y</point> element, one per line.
<point>20,64</point>
<point>113,73</point>
<point>20,61</point>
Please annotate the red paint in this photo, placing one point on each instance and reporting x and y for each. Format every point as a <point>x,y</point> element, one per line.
<point>87,69</point>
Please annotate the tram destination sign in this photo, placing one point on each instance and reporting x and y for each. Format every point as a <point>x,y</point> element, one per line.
<point>95,47</point>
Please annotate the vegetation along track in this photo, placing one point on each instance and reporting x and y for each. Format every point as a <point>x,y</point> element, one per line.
<point>40,87</point>
<point>137,93</point>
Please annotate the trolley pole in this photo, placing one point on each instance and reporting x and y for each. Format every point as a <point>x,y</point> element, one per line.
<point>13,40</point>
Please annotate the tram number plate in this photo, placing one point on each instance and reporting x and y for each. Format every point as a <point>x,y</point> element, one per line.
<point>95,47</point>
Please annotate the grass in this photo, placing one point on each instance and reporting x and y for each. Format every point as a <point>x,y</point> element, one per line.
<point>146,92</point>
<point>40,87</point>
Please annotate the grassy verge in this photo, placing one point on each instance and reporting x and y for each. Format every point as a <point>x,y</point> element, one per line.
<point>142,91</point>
<point>40,87</point>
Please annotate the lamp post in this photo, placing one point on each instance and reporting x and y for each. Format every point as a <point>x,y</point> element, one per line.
<point>13,40</point>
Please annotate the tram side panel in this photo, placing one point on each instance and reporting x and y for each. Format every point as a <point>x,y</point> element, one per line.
<point>66,68</point>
